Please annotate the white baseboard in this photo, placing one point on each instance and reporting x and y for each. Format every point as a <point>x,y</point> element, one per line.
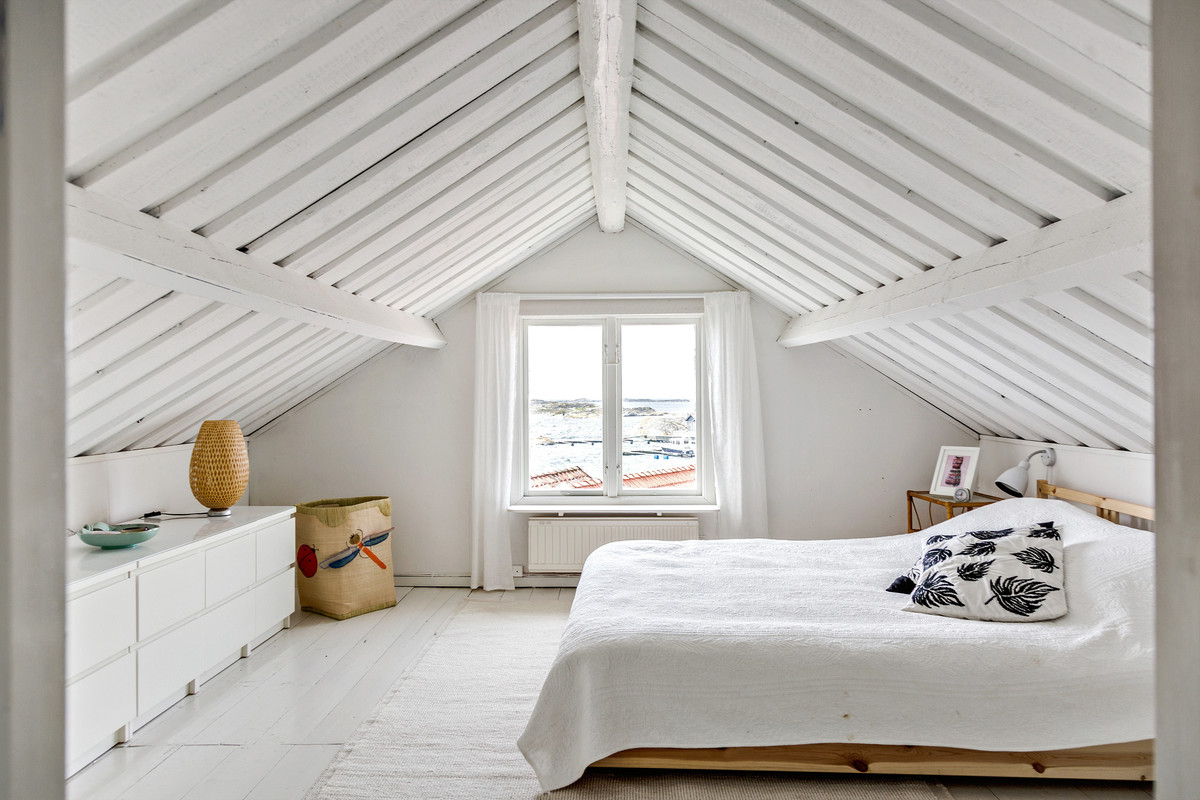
<point>549,581</point>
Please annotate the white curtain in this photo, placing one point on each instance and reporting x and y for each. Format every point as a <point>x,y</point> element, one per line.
<point>735,416</point>
<point>497,424</point>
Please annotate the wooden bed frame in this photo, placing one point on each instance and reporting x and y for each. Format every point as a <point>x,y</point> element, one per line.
<point>1132,761</point>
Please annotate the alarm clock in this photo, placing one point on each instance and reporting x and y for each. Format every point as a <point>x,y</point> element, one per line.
<point>962,495</point>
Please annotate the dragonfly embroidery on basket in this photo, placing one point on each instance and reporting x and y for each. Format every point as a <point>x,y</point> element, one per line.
<point>306,557</point>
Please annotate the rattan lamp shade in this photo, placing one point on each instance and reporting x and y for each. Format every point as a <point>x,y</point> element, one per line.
<point>220,467</point>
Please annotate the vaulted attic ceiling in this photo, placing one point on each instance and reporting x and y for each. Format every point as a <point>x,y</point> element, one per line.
<point>267,193</point>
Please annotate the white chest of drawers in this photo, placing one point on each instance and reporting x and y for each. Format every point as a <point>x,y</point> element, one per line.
<point>146,625</point>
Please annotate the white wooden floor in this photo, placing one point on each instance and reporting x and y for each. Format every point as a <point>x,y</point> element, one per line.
<point>265,728</point>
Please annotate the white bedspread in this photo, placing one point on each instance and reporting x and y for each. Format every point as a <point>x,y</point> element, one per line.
<point>757,642</point>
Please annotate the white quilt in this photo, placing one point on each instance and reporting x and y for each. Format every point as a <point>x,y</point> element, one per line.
<point>756,642</point>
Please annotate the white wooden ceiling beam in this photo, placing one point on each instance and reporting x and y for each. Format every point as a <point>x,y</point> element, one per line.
<point>353,218</point>
<point>757,238</point>
<point>965,371</point>
<point>770,210</point>
<point>452,215</point>
<point>1111,149</point>
<point>193,133</point>
<point>281,342</point>
<point>1092,427</point>
<point>521,195</point>
<point>809,102</point>
<point>1053,381</point>
<point>932,113</point>
<point>1111,240</point>
<point>1111,324</point>
<point>796,211</point>
<point>1039,350</point>
<point>974,387</point>
<point>456,282</point>
<point>708,249</point>
<point>96,354</point>
<point>258,373</point>
<point>606,37</point>
<point>489,229</point>
<point>906,362</point>
<point>377,128</point>
<point>100,311</point>
<point>933,395</point>
<point>711,240</point>
<point>303,388</point>
<point>692,206</point>
<point>821,168</point>
<point>153,355</point>
<point>94,421</point>
<point>104,235</point>
<point>1105,356</point>
<point>1039,49</point>
<point>420,203</point>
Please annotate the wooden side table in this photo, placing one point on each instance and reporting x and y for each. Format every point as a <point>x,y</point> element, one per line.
<point>951,505</point>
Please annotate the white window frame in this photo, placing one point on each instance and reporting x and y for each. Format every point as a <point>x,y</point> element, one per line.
<point>614,492</point>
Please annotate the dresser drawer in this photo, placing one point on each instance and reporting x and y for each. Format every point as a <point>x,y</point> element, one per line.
<point>228,569</point>
<point>100,624</point>
<point>276,548</point>
<point>99,705</point>
<point>166,665</point>
<point>170,593</point>
<point>227,629</point>
<point>274,601</point>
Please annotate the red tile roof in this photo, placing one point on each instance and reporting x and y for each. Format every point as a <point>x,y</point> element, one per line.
<point>659,478</point>
<point>569,478</point>
<point>576,478</point>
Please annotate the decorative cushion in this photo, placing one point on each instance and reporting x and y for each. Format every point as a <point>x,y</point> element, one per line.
<point>1003,575</point>
<point>908,581</point>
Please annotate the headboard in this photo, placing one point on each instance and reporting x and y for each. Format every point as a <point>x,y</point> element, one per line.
<point>1105,507</point>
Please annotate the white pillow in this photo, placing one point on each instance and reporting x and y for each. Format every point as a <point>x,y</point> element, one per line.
<point>1004,575</point>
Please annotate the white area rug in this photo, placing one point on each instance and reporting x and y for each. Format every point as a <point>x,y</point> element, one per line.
<point>448,729</point>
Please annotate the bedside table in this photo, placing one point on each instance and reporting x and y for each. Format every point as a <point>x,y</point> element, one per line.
<point>951,505</point>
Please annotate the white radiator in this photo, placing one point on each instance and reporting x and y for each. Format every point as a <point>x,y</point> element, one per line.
<point>560,544</point>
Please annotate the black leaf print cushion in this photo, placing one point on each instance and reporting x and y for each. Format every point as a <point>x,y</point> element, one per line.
<point>1003,575</point>
<point>979,543</point>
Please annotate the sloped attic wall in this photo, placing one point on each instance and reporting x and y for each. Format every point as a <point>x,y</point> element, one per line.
<point>402,152</point>
<point>835,156</point>
<point>817,152</point>
<point>843,443</point>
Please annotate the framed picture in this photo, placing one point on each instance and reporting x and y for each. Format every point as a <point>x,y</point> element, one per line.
<point>955,469</point>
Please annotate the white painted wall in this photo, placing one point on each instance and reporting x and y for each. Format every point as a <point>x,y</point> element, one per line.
<point>1113,473</point>
<point>842,445</point>
<point>117,487</point>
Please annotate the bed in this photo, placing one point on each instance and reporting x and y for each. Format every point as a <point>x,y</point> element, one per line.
<point>769,654</point>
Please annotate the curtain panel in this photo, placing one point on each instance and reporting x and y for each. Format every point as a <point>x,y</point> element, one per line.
<point>735,416</point>
<point>497,434</point>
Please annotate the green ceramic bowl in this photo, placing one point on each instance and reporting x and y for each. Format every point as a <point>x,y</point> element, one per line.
<point>117,535</point>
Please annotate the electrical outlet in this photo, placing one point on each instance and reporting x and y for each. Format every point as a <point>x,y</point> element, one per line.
<point>518,571</point>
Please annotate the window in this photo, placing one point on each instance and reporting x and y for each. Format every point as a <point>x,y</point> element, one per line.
<point>612,406</point>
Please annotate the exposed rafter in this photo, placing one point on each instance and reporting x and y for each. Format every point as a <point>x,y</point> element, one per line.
<point>109,237</point>
<point>1110,240</point>
<point>606,35</point>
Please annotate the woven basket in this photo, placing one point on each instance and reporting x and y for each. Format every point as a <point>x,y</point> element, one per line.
<point>344,556</point>
<point>220,468</point>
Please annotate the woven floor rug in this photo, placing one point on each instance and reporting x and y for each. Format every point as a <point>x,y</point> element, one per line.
<point>448,728</point>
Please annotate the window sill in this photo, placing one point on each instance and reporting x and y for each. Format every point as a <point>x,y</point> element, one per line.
<point>658,508</point>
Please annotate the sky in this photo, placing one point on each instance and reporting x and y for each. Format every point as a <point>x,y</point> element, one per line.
<point>657,361</point>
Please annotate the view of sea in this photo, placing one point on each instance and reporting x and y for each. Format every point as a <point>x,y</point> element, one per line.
<point>558,441</point>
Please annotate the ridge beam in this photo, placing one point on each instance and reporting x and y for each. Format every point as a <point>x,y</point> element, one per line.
<point>1110,240</point>
<point>606,38</point>
<point>106,236</point>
